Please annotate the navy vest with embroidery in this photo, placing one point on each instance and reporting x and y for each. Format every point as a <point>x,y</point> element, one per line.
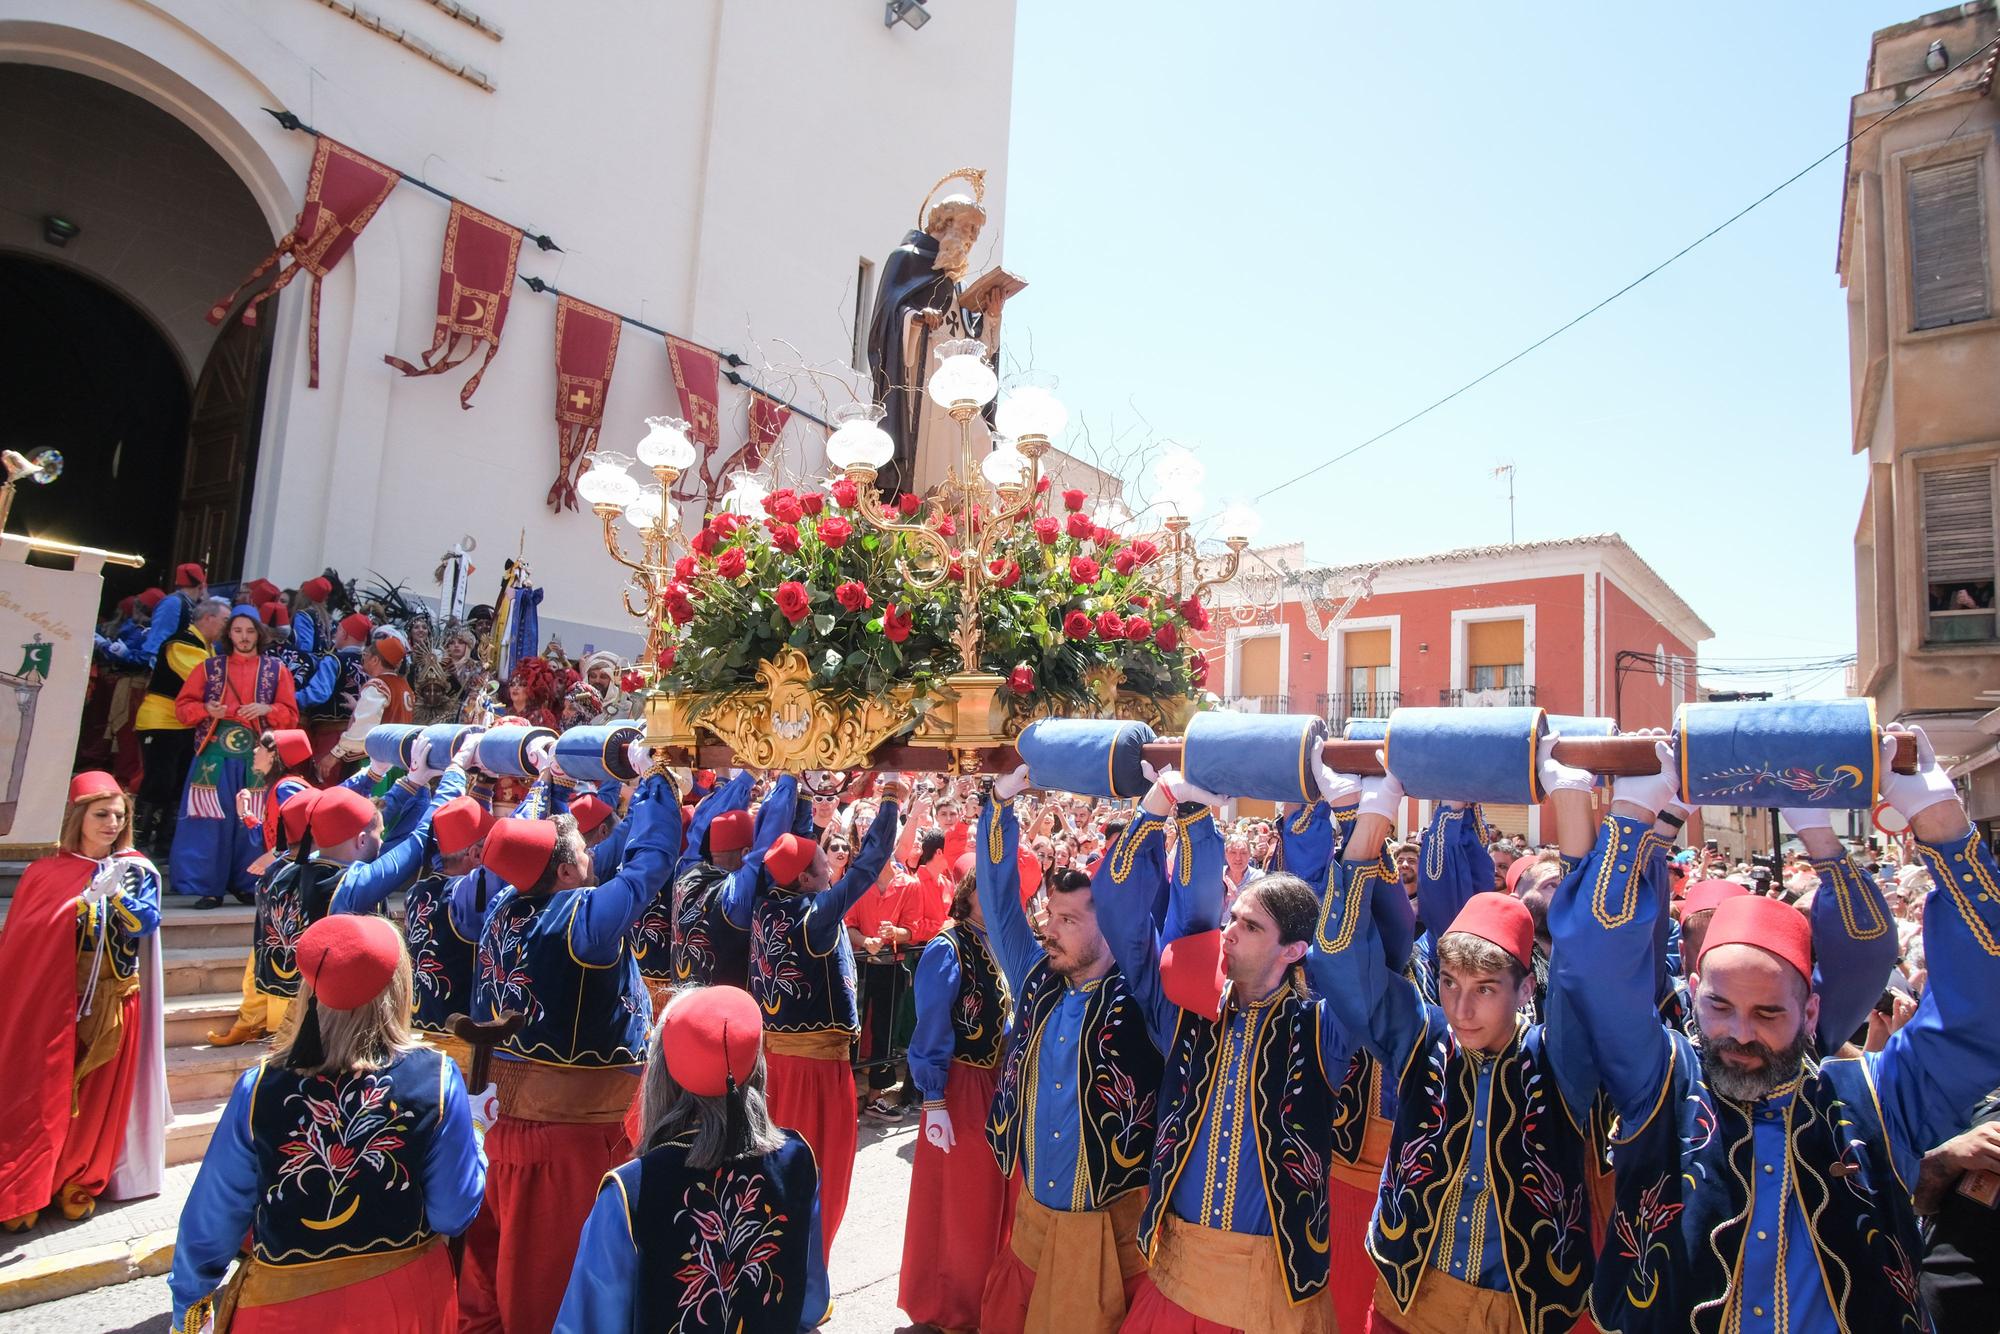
<point>1117,1087</point>
<point>578,1013</point>
<point>800,991</point>
<point>340,1161</point>
<point>1684,1203</point>
<point>291,898</point>
<point>705,949</point>
<point>442,962</point>
<point>1357,1099</point>
<point>979,1017</point>
<point>653,937</point>
<point>1538,1159</point>
<point>1291,1103</point>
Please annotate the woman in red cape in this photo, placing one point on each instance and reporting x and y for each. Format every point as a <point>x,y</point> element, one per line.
<point>77,959</point>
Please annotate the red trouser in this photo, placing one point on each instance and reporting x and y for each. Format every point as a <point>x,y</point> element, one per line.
<point>960,1209</point>
<point>815,1096</point>
<point>416,1299</point>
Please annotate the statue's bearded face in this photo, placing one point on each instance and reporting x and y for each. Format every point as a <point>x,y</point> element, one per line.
<point>955,229</point>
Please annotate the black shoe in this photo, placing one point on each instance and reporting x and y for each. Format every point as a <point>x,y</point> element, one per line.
<point>243,897</point>
<point>207,901</point>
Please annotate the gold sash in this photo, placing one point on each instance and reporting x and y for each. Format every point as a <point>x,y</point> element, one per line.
<point>1231,1278</point>
<point>568,1094</point>
<point>1444,1305</point>
<point>99,1032</point>
<point>831,1044</point>
<point>1081,1261</point>
<point>257,1284</point>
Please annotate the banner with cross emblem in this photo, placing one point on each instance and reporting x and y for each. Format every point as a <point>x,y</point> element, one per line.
<point>586,350</point>
<point>697,379</point>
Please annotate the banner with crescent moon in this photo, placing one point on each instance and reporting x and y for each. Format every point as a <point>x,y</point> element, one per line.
<point>767,422</point>
<point>343,190</point>
<point>586,350</point>
<point>475,281</point>
<point>697,379</point>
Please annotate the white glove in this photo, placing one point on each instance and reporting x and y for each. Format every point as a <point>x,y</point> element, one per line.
<point>639,755</point>
<point>1180,790</point>
<point>467,756</point>
<point>937,1127</point>
<point>1005,788</point>
<point>1917,792</point>
<point>485,1111</point>
<point>541,751</point>
<point>1800,818</point>
<point>378,769</point>
<point>1654,790</point>
<point>1381,796</point>
<point>1557,776</point>
<point>1334,788</point>
<point>420,771</point>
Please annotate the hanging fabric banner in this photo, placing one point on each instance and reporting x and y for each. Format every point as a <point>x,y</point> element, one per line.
<point>475,281</point>
<point>697,378</point>
<point>767,423</point>
<point>343,190</point>
<point>586,350</point>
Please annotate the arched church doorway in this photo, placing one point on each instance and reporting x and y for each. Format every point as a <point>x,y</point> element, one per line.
<point>119,228</point>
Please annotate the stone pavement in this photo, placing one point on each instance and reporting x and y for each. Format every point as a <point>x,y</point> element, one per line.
<point>867,1258</point>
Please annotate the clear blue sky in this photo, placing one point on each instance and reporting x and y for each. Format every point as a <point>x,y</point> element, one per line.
<point>1269,230</point>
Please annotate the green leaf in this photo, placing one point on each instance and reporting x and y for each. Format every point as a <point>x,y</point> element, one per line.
<point>822,623</point>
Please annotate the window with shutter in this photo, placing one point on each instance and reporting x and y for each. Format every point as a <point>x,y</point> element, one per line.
<point>1948,279</point>
<point>1959,553</point>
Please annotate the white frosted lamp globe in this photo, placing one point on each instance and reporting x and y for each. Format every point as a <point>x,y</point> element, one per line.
<point>858,440</point>
<point>1240,521</point>
<point>962,378</point>
<point>746,494</point>
<point>666,444</point>
<point>606,482</point>
<point>645,508</point>
<point>1005,466</point>
<point>1031,412</point>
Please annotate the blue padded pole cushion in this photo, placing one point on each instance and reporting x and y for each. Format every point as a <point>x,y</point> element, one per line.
<point>1365,729</point>
<point>389,743</point>
<point>445,740</point>
<point>1821,753</point>
<point>1567,724</point>
<point>1092,757</point>
<point>503,751</point>
<point>1267,756</point>
<point>1468,754</point>
<point>590,753</point>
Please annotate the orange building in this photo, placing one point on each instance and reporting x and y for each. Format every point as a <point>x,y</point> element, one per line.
<point>1579,626</point>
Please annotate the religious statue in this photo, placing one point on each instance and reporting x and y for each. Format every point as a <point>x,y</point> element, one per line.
<point>922,301</point>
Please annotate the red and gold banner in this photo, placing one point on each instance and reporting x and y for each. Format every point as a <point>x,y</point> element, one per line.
<point>767,423</point>
<point>697,379</point>
<point>343,190</point>
<point>586,350</point>
<point>475,282</point>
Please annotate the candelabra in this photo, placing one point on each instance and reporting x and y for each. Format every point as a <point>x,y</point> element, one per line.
<point>613,492</point>
<point>1182,571</point>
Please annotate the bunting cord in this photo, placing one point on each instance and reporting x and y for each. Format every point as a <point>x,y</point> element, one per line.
<point>544,242</point>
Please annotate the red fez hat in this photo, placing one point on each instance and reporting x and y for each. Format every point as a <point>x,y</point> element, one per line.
<point>275,614</point>
<point>356,626</point>
<point>93,783</point>
<point>349,958</point>
<point>788,858</point>
<point>317,589</point>
<point>190,575</point>
<point>705,777</point>
<point>1705,894</point>
<point>1516,871</point>
<point>296,812</point>
<point>152,598</point>
<point>294,746</point>
<point>1774,927</point>
<point>260,591</point>
<point>518,851</point>
<point>729,832</point>
<point>589,812</point>
<point>338,815</point>
<point>126,604</point>
<point>1502,920</point>
<point>962,867</point>
<point>711,1036</point>
<point>1191,973</point>
<point>458,824</point>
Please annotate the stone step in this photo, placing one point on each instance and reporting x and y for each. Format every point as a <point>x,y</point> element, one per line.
<point>189,1018</point>
<point>183,926</point>
<point>204,970</point>
<point>192,1127</point>
<point>207,1072</point>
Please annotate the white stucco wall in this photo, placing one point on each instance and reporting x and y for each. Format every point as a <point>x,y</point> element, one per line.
<point>718,169</point>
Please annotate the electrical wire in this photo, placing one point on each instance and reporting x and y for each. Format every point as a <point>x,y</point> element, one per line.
<point>1567,325</point>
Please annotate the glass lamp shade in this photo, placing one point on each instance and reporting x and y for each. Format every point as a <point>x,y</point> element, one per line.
<point>1112,514</point>
<point>746,494</point>
<point>858,440</point>
<point>666,444</point>
<point>606,482</point>
<point>962,375</point>
<point>646,507</point>
<point>1005,466</point>
<point>1031,412</point>
<point>1239,520</point>
<point>1177,480</point>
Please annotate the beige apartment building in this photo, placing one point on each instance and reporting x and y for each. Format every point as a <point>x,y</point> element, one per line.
<point>1919,253</point>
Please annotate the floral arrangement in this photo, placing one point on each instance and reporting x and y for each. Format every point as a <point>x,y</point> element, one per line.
<point>1064,602</point>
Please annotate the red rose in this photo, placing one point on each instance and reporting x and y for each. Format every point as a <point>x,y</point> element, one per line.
<point>845,494</point>
<point>1166,638</point>
<point>908,504</point>
<point>1123,562</point>
<point>1141,600</point>
<point>684,568</point>
<point>1076,625</point>
<point>1006,573</point>
<point>793,600</point>
<point>1080,527</point>
<point>895,623</point>
<point>1110,625</point>
<point>1042,485</point>
<point>666,661</point>
<point>947,526</point>
<point>853,596</point>
<point>732,563</point>
<point>834,531</point>
<point>1073,500</point>
<point>1194,614</point>
<point>812,502</point>
<point>956,573</point>
<point>1138,629</point>
<point>785,538</point>
<point>1145,552</point>
<point>1048,530</point>
<point>786,509</point>
<point>679,610</point>
<point>1198,669</point>
<point>1084,570</point>
<point>1104,537</point>
<point>1021,680</point>
<point>722,525</point>
<point>771,499</point>
<point>703,543</point>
